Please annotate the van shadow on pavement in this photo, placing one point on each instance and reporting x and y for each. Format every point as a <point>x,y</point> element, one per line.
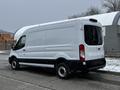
<point>50,72</point>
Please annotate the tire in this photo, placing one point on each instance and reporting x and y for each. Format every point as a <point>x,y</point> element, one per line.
<point>63,71</point>
<point>15,64</point>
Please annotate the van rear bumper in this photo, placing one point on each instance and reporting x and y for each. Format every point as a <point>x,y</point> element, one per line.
<point>88,65</point>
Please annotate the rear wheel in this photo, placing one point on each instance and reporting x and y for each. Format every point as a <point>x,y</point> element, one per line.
<point>62,71</point>
<point>15,64</point>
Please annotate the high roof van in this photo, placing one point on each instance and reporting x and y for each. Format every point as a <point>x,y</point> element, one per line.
<point>68,45</point>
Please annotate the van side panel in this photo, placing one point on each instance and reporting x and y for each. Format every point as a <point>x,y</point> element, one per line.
<point>53,44</point>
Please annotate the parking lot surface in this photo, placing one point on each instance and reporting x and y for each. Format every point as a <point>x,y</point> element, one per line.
<point>38,78</point>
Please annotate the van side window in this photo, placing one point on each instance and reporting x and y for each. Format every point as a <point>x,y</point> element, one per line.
<point>21,43</point>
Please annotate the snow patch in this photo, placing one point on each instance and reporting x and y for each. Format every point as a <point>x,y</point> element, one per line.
<point>2,51</point>
<point>112,64</point>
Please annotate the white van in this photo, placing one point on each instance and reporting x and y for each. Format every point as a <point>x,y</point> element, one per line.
<point>69,45</point>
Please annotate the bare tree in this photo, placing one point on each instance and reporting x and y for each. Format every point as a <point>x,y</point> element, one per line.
<point>112,5</point>
<point>90,11</point>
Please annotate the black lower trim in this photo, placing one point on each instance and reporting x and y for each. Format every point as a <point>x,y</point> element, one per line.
<point>73,64</point>
<point>39,61</point>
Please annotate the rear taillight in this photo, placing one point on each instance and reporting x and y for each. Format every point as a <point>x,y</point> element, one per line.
<point>82,53</point>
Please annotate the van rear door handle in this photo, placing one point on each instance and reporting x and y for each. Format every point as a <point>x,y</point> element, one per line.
<point>99,48</point>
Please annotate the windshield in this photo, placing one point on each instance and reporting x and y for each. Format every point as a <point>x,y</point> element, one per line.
<point>93,35</point>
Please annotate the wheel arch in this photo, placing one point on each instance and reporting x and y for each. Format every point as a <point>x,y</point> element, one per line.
<point>11,58</point>
<point>61,60</point>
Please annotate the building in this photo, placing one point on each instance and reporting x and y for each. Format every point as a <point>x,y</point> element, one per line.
<point>111,27</point>
<point>6,40</point>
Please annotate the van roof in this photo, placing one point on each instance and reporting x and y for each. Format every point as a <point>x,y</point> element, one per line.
<point>23,29</point>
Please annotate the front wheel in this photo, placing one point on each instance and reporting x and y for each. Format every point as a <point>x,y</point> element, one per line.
<point>62,71</point>
<point>15,64</point>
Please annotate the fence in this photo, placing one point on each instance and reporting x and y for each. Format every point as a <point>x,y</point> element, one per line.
<point>5,45</point>
<point>112,53</point>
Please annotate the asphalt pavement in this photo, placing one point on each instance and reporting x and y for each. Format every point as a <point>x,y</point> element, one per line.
<point>38,78</point>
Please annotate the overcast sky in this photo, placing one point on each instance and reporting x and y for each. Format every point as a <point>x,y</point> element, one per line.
<point>15,14</point>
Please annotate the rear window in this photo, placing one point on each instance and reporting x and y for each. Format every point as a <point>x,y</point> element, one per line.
<point>93,35</point>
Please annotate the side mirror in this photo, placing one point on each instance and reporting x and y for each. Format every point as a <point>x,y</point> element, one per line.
<point>13,45</point>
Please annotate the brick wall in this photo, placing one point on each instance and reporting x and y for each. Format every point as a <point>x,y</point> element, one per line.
<point>6,41</point>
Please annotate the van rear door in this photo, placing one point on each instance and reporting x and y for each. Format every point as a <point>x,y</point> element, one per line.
<point>94,42</point>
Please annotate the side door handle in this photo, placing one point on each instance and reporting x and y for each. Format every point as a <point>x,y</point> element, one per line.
<point>24,50</point>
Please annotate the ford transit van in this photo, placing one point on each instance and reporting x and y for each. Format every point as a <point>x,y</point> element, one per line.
<point>68,45</point>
